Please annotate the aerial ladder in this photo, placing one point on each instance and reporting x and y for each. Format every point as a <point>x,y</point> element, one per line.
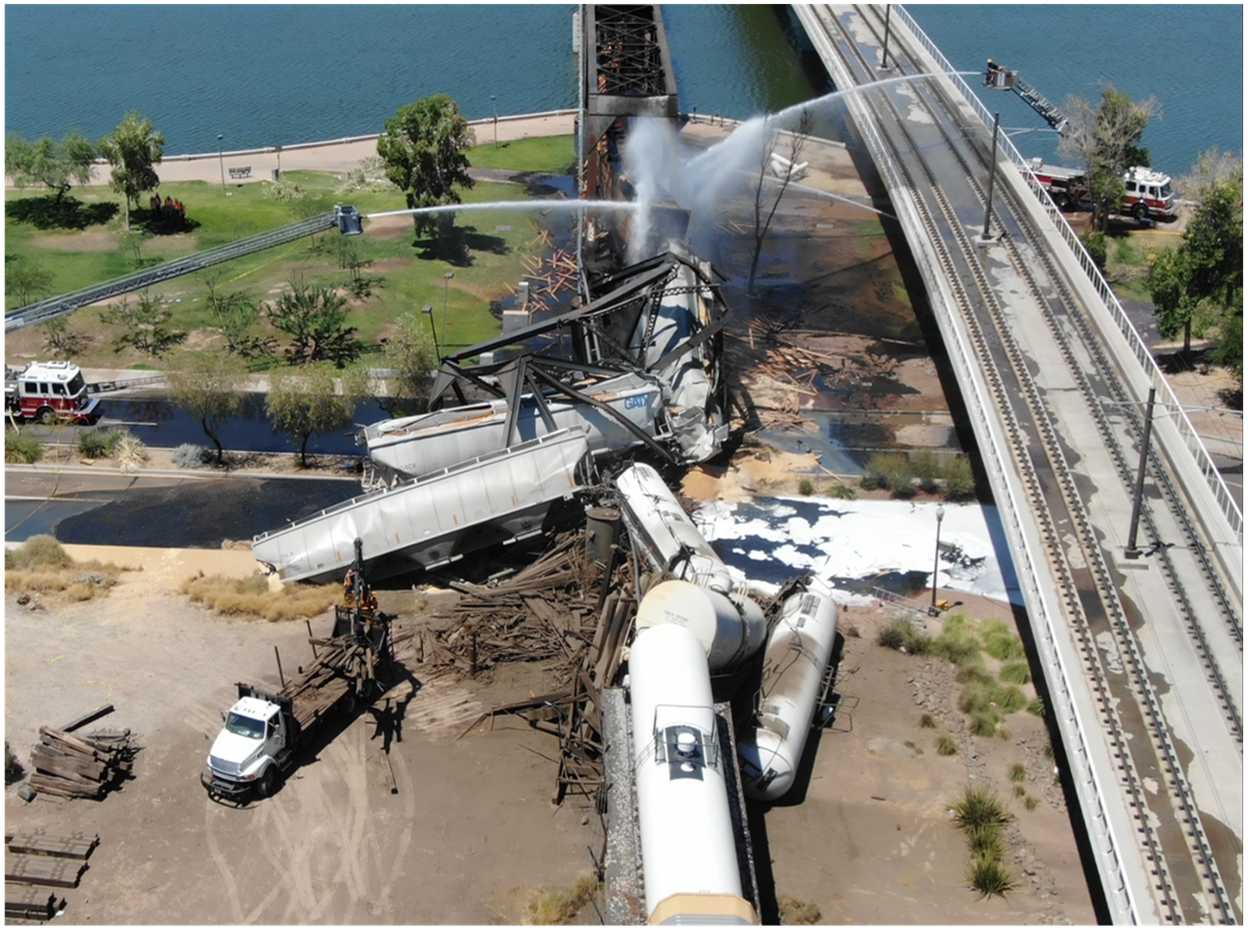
<point>998,77</point>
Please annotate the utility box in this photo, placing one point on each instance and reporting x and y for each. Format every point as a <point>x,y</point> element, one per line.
<point>514,320</point>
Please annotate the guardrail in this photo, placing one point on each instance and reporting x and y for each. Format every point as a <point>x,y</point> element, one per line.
<point>1191,439</point>
<point>1030,576</point>
<point>43,311</point>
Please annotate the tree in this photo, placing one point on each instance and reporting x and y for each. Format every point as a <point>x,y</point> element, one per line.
<point>143,325</point>
<point>782,170</point>
<point>26,281</point>
<point>312,401</point>
<point>60,339</point>
<point>1198,280</point>
<point>210,391</point>
<point>56,165</point>
<point>315,319</point>
<point>423,151</point>
<point>235,315</point>
<point>132,149</point>
<point>1105,138</point>
<point>410,351</point>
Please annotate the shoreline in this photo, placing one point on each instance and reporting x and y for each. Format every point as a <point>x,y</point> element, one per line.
<point>332,155</point>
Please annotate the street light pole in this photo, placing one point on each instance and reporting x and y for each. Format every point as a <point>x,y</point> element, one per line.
<point>888,9</point>
<point>1133,551</point>
<point>221,158</point>
<point>428,309</point>
<point>992,169</point>
<point>446,292</point>
<point>940,515</point>
<point>494,101</point>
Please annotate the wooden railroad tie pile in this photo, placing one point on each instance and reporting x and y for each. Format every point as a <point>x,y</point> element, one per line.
<point>552,275</point>
<point>81,767</point>
<point>35,860</point>
<point>540,613</point>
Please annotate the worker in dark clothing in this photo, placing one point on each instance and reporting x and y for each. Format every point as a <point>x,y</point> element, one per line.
<point>990,79</point>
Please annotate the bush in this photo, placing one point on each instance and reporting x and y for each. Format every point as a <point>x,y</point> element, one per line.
<point>807,487</point>
<point>946,746</point>
<point>927,721</point>
<point>977,807</point>
<point>988,876</point>
<point>892,471</point>
<point>986,841</point>
<point>843,492</point>
<point>39,552</point>
<point>958,642</point>
<point>959,479</point>
<point>1036,707</point>
<point>92,444</point>
<point>190,456</point>
<point>1004,645</point>
<point>1097,245</point>
<point>928,469</point>
<point>1018,772</point>
<point>1031,803</point>
<point>560,907</point>
<point>130,452</point>
<point>796,912</point>
<point>1010,699</point>
<point>1016,672</point>
<point>902,634</point>
<point>22,449</point>
<point>251,596</point>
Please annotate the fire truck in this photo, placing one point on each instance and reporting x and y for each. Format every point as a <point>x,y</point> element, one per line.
<point>47,392</point>
<point>1147,194</point>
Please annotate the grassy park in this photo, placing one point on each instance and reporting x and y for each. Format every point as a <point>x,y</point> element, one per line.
<point>86,242</point>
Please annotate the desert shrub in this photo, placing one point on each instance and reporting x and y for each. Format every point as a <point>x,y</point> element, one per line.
<point>959,479</point>
<point>892,471</point>
<point>92,444</point>
<point>560,906</point>
<point>958,641</point>
<point>974,674</point>
<point>1010,699</point>
<point>946,746</point>
<point>1018,772</point>
<point>1019,790</point>
<point>927,468</point>
<point>251,597</point>
<point>927,721</point>
<point>851,630</point>
<point>978,806</point>
<point>985,840</point>
<point>1031,803</point>
<point>806,487</point>
<point>190,456</point>
<point>130,452</point>
<point>39,552</point>
<point>903,634</point>
<point>984,722</point>
<point>1016,672</point>
<point>1004,733</point>
<point>843,492</point>
<point>1036,707</point>
<point>796,912</point>
<point>988,876</point>
<point>22,449</point>
<point>1097,245</point>
<point>1004,645</point>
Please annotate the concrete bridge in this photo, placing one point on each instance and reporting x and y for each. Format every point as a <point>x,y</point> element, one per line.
<point>1138,635</point>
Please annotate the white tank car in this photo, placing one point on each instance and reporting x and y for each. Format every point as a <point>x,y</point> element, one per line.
<point>670,539</point>
<point>794,662</point>
<point>731,628</point>
<point>688,853</point>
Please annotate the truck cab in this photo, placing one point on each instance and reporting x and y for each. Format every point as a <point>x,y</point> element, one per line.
<point>1148,194</point>
<point>48,391</point>
<point>254,747</point>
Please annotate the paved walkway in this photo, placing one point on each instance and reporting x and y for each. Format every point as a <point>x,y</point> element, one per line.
<point>340,155</point>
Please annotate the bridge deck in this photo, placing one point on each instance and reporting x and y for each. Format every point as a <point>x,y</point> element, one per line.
<point>1142,659</point>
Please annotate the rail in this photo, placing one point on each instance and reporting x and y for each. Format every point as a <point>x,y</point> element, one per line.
<point>1187,432</point>
<point>51,308</point>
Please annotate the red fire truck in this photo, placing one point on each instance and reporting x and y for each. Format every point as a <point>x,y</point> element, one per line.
<point>1146,194</point>
<point>47,392</point>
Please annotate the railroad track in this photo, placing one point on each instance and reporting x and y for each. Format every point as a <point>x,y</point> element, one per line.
<point>1172,833</point>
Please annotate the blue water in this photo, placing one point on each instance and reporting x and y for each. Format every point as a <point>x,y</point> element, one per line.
<point>283,74</point>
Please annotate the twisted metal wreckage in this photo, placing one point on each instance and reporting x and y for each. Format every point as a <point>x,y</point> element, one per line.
<point>506,440</point>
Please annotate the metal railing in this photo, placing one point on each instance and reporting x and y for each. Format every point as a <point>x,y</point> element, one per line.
<point>1187,432</point>
<point>43,311</point>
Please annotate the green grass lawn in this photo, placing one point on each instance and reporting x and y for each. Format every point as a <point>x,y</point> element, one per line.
<point>406,272</point>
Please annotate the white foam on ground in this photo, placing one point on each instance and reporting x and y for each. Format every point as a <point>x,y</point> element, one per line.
<point>861,539</point>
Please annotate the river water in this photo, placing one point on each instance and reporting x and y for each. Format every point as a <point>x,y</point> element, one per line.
<point>282,74</point>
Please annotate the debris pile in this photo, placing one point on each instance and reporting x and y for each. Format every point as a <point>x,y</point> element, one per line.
<point>35,860</point>
<point>540,613</point>
<point>81,767</point>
